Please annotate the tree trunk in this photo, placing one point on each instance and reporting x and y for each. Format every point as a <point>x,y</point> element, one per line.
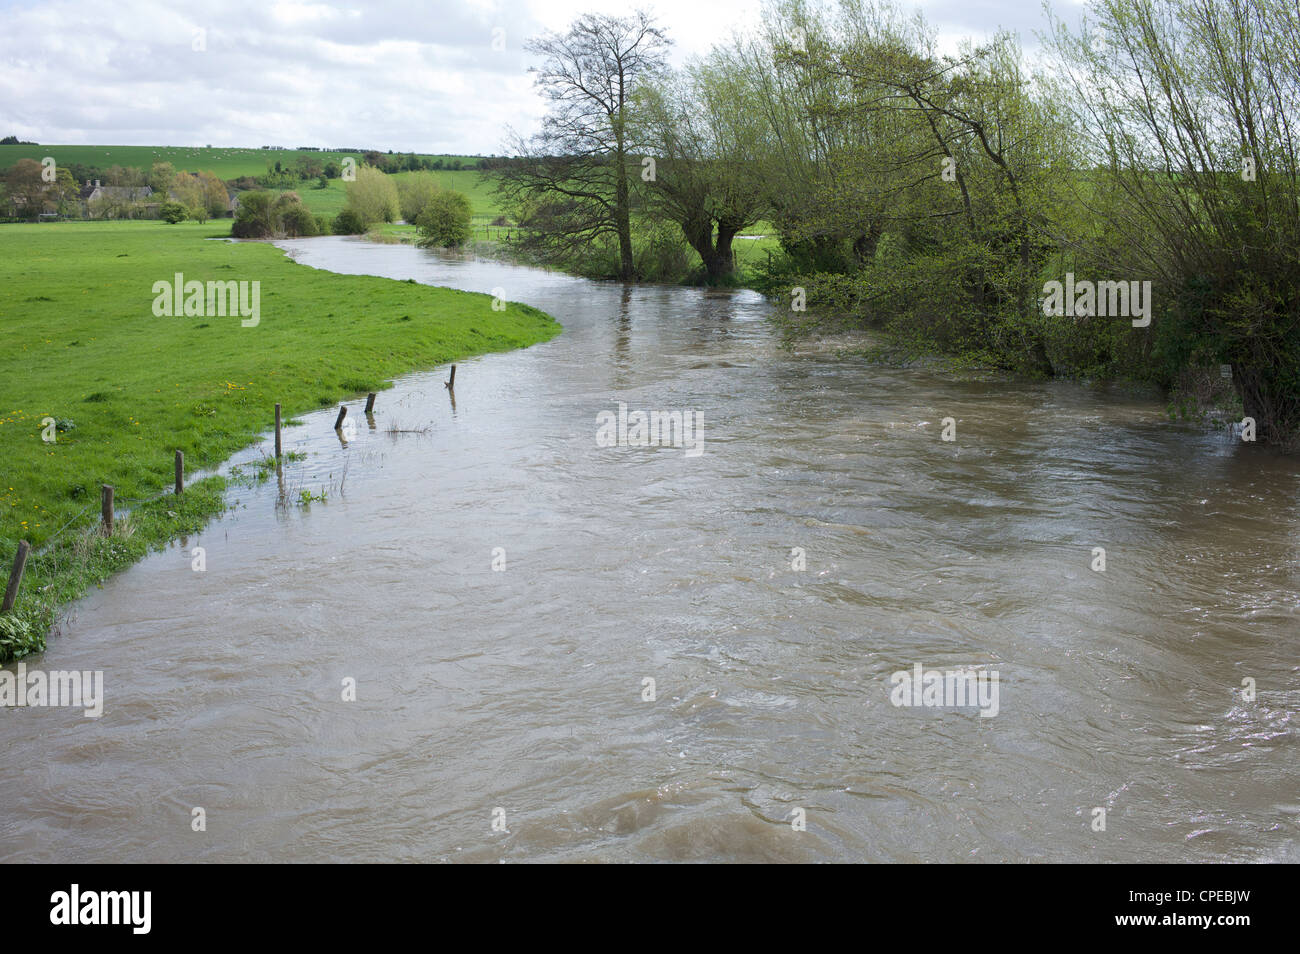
<point>623,218</point>
<point>723,261</point>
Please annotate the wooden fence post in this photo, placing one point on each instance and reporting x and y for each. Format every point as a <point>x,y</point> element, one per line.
<point>370,403</point>
<point>106,508</point>
<point>452,383</point>
<point>343,412</point>
<point>180,473</point>
<point>16,576</point>
<point>277,432</point>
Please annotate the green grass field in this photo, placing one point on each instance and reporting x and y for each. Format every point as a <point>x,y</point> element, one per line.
<point>228,163</point>
<point>83,346</point>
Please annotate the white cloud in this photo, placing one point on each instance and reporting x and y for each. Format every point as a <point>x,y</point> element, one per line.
<point>391,75</point>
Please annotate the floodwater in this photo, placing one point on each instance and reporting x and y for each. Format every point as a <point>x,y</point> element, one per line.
<point>522,688</point>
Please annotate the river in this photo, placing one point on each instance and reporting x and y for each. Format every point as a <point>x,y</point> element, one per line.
<point>523,687</point>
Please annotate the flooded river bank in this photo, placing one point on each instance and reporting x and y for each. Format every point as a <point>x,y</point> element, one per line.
<point>499,587</point>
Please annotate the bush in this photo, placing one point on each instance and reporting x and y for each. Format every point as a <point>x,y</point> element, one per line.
<point>256,216</point>
<point>173,212</point>
<point>348,222</point>
<point>445,221</point>
<point>297,221</point>
<point>264,215</point>
<point>20,636</point>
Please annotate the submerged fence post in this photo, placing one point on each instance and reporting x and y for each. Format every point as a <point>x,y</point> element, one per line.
<point>277,432</point>
<point>452,383</point>
<point>343,412</point>
<point>370,403</point>
<point>16,576</point>
<point>106,508</point>
<point>180,473</point>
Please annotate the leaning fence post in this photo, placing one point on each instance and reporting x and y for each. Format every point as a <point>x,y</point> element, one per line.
<point>106,508</point>
<point>16,576</point>
<point>452,383</point>
<point>343,412</point>
<point>180,473</point>
<point>277,432</point>
<point>370,403</point>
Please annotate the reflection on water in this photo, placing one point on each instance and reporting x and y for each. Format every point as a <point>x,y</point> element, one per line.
<point>522,687</point>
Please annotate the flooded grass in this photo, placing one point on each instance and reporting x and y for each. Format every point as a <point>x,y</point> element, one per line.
<point>131,388</point>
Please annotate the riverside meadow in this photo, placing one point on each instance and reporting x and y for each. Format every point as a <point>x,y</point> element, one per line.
<point>85,348</point>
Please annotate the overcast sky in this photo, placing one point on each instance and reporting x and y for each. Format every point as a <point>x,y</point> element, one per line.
<point>407,76</point>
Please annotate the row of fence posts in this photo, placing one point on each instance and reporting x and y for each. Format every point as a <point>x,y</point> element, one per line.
<point>106,493</point>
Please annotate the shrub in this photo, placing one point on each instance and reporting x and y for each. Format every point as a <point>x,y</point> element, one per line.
<point>173,212</point>
<point>264,215</point>
<point>20,636</point>
<point>348,222</point>
<point>296,221</point>
<point>256,216</point>
<point>445,221</point>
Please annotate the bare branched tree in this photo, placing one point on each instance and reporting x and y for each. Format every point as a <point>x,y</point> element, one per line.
<point>572,183</point>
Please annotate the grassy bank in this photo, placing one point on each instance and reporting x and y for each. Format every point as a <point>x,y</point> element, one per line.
<point>82,346</point>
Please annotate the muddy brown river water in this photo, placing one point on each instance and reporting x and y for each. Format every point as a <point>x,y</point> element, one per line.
<point>523,688</point>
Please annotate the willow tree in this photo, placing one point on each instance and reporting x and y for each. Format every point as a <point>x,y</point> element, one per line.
<point>818,163</point>
<point>921,179</point>
<point>706,143</point>
<point>1192,108</point>
<point>571,184</point>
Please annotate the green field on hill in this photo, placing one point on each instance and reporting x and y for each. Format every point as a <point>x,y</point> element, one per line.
<point>126,389</point>
<point>233,163</point>
<point>480,192</point>
<point>227,163</point>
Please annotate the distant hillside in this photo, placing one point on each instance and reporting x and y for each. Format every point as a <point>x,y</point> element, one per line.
<point>228,163</point>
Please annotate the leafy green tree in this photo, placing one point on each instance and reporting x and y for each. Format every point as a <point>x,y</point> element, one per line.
<point>63,193</point>
<point>256,216</point>
<point>26,186</point>
<point>445,220</point>
<point>372,197</point>
<point>129,176</point>
<point>414,193</point>
<point>215,198</point>
<point>162,178</point>
<point>1192,108</point>
<point>296,220</point>
<point>704,144</point>
<point>309,167</point>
